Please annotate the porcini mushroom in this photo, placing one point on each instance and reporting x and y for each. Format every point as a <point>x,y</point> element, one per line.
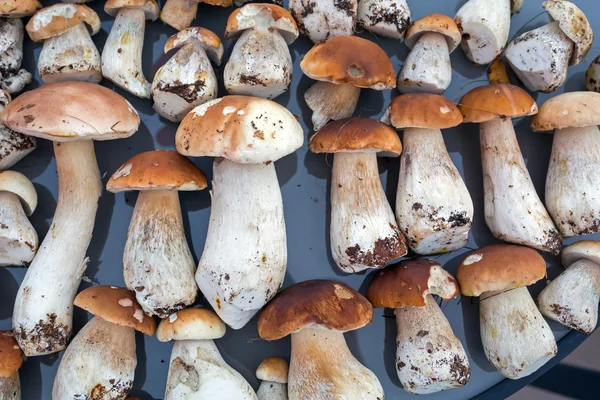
<point>11,359</point>
<point>428,68</point>
<point>68,54</point>
<point>260,63</point>
<point>180,13</point>
<point>513,210</point>
<point>187,79</point>
<point>541,57</point>
<point>101,359</point>
<point>429,357</point>
<point>324,19</point>
<point>246,134</point>
<point>592,76</point>
<point>516,339</point>
<point>433,205</point>
<point>317,314</point>
<point>13,146</point>
<point>273,373</point>
<point>341,71</point>
<point>72,114</point>
<point>157,263</point>
<point>387,18</point>
<point>363,230</point>
<point>122,53</point>
<point>239,3</point>
<point>197,370</point>
<point>573,181</point>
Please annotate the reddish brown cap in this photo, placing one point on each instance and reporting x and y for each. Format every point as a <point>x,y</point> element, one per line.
<point>11,356</point>
<point>422,110</point>
<point>273,369</point>
<point>191,324</point>
<point>267,16</point>
<point>59,18</point>
<point>18,8</point>
<point>495,101</point>
<point>568,110</point>
<point>150,7</point>
<point>436,23</point>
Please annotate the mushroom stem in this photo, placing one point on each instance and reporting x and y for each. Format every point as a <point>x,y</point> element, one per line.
<point>43,314</point>
<point>433,205</point>
<point>272,391</point>
<point>157,263</point>
<point>513,210</point>
<point>246,215</point>
<point>101,359</point>
<point>335,373</point>
<point>363,229</point>
<point>427,68</point>
<point>179,13</point>
<point>18,239</point>
<point>329,101</point>
<point>516,339</point>
<point>12,78</point>
<point>10,388</point>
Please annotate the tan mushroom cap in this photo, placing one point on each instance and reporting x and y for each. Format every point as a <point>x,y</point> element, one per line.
<point>568,110</point>
<point>499,267</point>
<point>352,60</point>
<point>436,23</point>
<point>273,369</point>
<point>314,304</point>
<point>269,16</point>
<point>150,7</point>
<point>496,101</point>
<point>17,183</point>
<point>59,18</point>
<point>191,324</point>
<point>116,305</point>
<point>582,250</point>
<point>423,110</point>
<point>18,8</point>
<point>356,135</point>
<point>574,24</point>
<point>207,39</point>
<point>11,355</point>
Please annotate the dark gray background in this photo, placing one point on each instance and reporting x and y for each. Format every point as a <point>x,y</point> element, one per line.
<point>304,179</point>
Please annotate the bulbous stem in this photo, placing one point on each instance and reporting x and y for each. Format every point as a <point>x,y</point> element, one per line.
<point>427,68</point>
<point>272,391</point>
<point>18,239</point>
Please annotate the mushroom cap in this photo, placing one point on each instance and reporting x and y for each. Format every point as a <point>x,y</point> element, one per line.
<point>584,249</point>
<point>314,304</point>
<point>352,60</point>
<point>219,3</point>
<point>116,305</point>
<point>11,355</point>
<point>496,101</point>
<point>245,130</point>
<point>436,23</point>
<point>71,111</point>
<point>157,170</point>
<point>17,183</point>
<point>266,16</point>
<point>273,369</point>
<point>568,110</point>
<point>573,22</point>
<point>18,8</point>
<point>207,39</point>
<point>362,135</point>
<point>191,324</point>
<point>408,283</point>
<point>499,267</point>
<point>150,7</point>
<point>423,110</point>
<point>59,18</point>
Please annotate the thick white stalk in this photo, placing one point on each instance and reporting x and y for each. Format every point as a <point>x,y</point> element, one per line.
<point>18,239</point>
<point>427,68</point>
<point>272,391</point>
<point>179,13</point>
<point>329,101</point>
<point>320,20</point>
<point>10,388</point>
<point>12,78</point>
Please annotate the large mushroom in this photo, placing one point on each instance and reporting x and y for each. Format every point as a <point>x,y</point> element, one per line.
<point>101,359</point>
<point>324,19</point>
<point>260,63</point>
<point>246,134</point>
<point>341,71</point>
<point>513,210</point>
<point>11,359</point>
<point>433,205</point>
<point>180,13</point>
<point>317,314</point>
<point>387,18</point>
<point>13,146</point>
<point>273,373</point>
<point>363,230</point>
<point>429,357</point>
<point>516,339</point>
<point>157,262</point>
<point>72,115</point>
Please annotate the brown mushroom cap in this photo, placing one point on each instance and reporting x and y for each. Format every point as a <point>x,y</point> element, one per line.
<point>11,356</point>
<point>499,267</point>
<point>116,305</point>
<point>574,24</point>
<point>352,60</point>
<point>582,250</point>
<point>436,23</point>
<point>150,7</point>
<point>490,102</point>
<point>311,304</point>
<point>267,16</point>
<point>423,110</point>
<point>191,324</point>
<point>59,18</point>
<point>568,110</point>
<point>18,8</point>
<point>273,369</point>
<point>209,41</point>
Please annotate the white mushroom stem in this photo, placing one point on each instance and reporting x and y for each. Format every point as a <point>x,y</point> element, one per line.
<point>429,357</point>
<point>363,229</point>
<point>198,371</point>
<point>513,210</point>
<point>320,20</point>
<point>272,391</point>
<point>12,78</point>
<point>179,13</point>
<point>99,363</point>
<point>329,102</point>
<point>322,367</point>
<point>386,18</point>
<point>10,388</point>
<point>157,262</point>
<point>18,239</point>
<point>427,68</point>
<point>433,205</point>
<point>516,339</point>
<point>245,256</point>
<point>122,54</point>
<point>43,314</point>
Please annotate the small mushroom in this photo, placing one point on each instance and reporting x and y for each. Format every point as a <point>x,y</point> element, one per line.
<point>387,18</point>
<point>429,357</point>
<point>157,262</point>
<point>592,76</point>
<point>180,13</point>
<point>101,359</point>
<point>513,210</point>
<point>260,64</point>
<point>363,230</point>
<point>273,373</point>
<point>428,68</point>
<point>68,54</point>
<point>516,339</point>
<point>13,146</point>
<point>196,369</point>
<point>187,79</point>
<point>324,19</point>
<point>341,71</point>
<point>541,57</point>
<point>317,314</point>
<point>11,359</point>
